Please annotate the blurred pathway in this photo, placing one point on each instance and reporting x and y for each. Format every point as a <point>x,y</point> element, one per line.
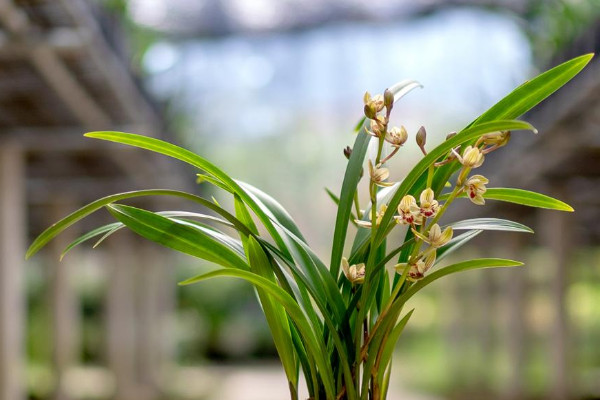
<point>249,382</point>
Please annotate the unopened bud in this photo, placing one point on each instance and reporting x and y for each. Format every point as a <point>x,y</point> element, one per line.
<point>421,138</point>
<point>348,152</point>
<point>367,98</point>
<point>450,135</point>
<point>388,98</point>
<point>496,139</point>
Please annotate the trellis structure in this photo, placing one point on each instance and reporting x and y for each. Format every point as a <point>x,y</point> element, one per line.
<point>63,72</point>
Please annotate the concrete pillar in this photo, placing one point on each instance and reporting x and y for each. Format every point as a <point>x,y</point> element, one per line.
<point>557,238</point>
<point>64,304</point>
<point>151,332</point>
<point>120,314</point>
<point>516,328</point>
<point>12,249</point>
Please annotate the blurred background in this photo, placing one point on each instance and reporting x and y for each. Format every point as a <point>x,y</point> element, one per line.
<point>270,90</point>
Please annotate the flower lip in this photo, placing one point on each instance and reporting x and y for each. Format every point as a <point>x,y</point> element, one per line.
<point>428,204</point>
<point>475,188</point>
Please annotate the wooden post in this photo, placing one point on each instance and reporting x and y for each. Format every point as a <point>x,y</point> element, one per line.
<point>152,280</point>
<point>12,250</point>
<point>64,305</point>
<point>555,227</point>
<point>516,329</point>
<point>120,315</point>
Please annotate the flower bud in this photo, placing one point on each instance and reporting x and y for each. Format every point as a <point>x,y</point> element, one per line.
<point>450,135</point>
<point>421,138</point>
<point>498,139</point>
<point>388,98</point>
<point>348,152</point>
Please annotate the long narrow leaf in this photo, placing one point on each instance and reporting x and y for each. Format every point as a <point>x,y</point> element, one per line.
<point>83,212</point>
<point>454,268</point>
<point>518,102</point>
<point>490,224</point>
<point>179,153</point>
<point>177,236</point>
<point>526,198</point>
<point>456,243</point>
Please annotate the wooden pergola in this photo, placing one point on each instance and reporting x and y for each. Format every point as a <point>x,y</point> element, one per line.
<point>63,71</point>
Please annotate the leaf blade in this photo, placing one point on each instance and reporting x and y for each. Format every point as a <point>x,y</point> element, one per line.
<point>525,198</point>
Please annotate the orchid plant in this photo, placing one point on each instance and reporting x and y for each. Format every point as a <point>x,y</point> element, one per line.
<point>338,322</point>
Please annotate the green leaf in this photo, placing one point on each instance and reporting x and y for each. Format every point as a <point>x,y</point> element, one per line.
<point>90,235</point>
<point>454,268</point>
<point>179,153</point>
<point>392,339</point>
<point>336,200</point>
<point>109,229</point>
<point>83,212</point>
<point>349,184</point>
<point>490,224</point>
<point>177,236</point>
<point>316,348</point>
<point>524,197</point>
<point>532,92</point>
<point>518,102</point>
<point>455,243</point>
<point>273,209</point>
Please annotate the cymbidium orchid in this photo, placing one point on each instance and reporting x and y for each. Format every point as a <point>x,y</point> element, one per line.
<point>428,205</point>
<point>354,273</point>
<point>472,157</point>
<point>368,224</point>
<point>475,188</point>
<point>436,237</point>
<point>409,212</point>
<point>418,267</point>
<point>336,321</point>
<point>379,175</point>
<point>396,136</point>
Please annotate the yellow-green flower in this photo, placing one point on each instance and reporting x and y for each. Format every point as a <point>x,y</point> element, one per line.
<point>409,212</point>
<point>396,136</point>
<point>428,204</point>
<point>475,188</point>
<point>354,273</point>
<point>436,237</point>
<point>472,157</point>
<point>417,268</point>
<point>497,139</point>
<point>379,175</point>
<point>379,216</point>
<point>377,127</point>
<point>375,103</point>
